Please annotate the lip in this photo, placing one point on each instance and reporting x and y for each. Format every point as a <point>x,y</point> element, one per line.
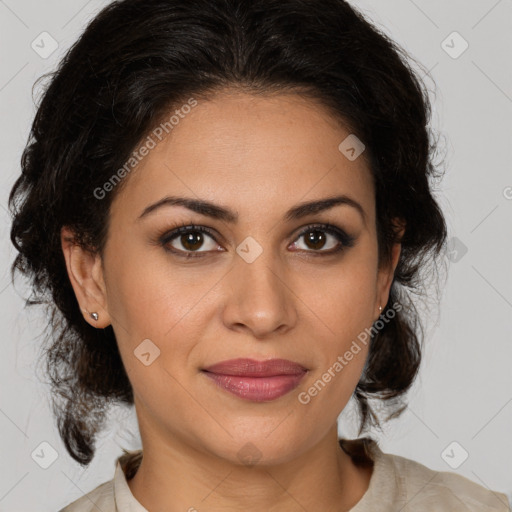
<point>255,368</point>
<point>258,381</point>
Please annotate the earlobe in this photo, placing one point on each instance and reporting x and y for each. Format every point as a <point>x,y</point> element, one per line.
<point>389,274</point>
<point>86,276</point>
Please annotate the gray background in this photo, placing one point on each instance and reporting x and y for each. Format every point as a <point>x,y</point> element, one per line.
<point>464,391</point>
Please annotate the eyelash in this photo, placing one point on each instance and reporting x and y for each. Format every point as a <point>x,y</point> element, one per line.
<point>346,241</point>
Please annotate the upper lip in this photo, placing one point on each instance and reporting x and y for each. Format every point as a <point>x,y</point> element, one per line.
<point>254,368</point>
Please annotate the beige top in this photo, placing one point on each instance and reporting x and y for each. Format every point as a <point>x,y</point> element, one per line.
<point>396,484</point>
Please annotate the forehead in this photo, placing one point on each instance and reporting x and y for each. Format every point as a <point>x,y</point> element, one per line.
<point>261,153</point>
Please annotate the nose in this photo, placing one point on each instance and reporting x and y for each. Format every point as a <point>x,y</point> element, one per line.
<point>260,297</point>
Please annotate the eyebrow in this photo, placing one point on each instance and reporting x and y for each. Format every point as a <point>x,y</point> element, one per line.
<point>215,211</point>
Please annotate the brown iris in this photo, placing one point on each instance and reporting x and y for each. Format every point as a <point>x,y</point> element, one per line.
<point>192,241</point>
<point>315,238</point>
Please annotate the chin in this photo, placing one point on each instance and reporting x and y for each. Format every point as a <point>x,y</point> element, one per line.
<point>261,449</point>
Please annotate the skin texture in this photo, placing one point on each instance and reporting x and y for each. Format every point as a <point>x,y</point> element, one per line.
<point>259,156</point>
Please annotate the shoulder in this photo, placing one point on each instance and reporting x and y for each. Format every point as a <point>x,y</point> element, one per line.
<point>423,488</point>
<point>105,496</point>
<point>399,483</point>
<point>100,498</point>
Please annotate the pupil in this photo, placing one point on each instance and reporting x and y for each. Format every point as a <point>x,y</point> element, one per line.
<point>316,238</point>
<point>189,243</point>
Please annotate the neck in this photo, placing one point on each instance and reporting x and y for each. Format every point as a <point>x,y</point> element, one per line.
<point>175,476</point>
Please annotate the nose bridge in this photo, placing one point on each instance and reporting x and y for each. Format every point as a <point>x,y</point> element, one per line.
<point>262,276</point>
<point>260,299</point>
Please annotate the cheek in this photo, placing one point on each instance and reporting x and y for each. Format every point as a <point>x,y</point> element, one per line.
<point>343,310</point>
<point>168,304</point>
<point>148,295</point>
<point>157,324</point>
<point>343,296</point>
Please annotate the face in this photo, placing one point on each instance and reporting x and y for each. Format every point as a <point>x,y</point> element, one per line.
<point>258,283</point>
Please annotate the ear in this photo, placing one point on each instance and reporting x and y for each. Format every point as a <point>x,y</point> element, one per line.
<point>85,273</point>
<point>386,272</point>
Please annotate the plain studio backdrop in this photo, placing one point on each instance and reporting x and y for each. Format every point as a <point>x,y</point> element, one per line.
<point>460,412</point>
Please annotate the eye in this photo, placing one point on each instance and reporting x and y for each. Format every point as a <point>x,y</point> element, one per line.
<point>324,238</point>
<point>188,240</point>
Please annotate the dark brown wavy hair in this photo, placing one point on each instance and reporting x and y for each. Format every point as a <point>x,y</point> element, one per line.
<point>139,59</point>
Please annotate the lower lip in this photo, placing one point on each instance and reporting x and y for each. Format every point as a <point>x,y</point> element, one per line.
<point>257,389</point>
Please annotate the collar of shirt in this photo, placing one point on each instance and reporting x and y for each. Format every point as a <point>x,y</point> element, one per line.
<point>123,498</point>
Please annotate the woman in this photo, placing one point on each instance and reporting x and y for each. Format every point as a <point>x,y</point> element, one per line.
<point>225,203</point>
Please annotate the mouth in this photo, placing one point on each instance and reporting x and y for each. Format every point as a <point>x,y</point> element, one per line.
<point>257,381</point>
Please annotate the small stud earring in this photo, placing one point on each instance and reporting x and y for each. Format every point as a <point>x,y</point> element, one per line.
<point>380,309</point>
<point>94,316</point>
